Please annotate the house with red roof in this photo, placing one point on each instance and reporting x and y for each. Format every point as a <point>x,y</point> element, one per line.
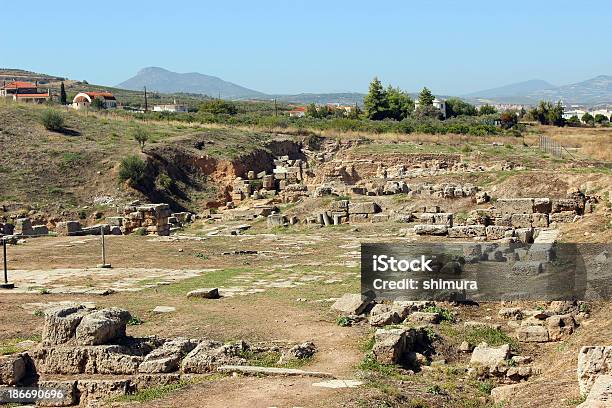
<point>297,112</point>
<point>24,92</point>
<point>83,100</point>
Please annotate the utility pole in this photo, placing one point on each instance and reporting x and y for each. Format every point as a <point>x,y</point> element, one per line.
<point>145,95</point>
<point>6,284</point>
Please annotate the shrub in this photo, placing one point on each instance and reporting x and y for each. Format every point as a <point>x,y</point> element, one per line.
<point>444,313</point>
<point>165,182</point>
<point>53,120</point>
<point>132,168</point>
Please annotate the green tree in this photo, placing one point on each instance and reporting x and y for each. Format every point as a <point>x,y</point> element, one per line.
<point>487,109</point>
<point>311,111</point>
<point>218,106</point>
<point>141,136</point>
<point>556,115</point>
<point>588,119</point>
<point>63,96</point>
<point>354,113</point>
<point>457,107</point>
<point>601,119</point>
<point>426,98</point>
<point>399,102</point>
<point>375,102</point>
<point>508,119</point>
<point>573,121</point>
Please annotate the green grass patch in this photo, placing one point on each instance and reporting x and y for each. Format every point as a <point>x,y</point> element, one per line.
<point>491,336</point>
<point>210,279</point>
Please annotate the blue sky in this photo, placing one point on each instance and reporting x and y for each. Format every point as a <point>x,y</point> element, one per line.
<point>454,47</point>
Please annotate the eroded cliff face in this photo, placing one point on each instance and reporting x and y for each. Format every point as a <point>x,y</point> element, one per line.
<point>201,180</point>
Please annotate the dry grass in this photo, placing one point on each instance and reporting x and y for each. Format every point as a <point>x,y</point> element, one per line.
<point>594,143</point>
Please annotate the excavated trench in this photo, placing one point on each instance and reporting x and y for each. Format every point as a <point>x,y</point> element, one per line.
<point>200,180</point>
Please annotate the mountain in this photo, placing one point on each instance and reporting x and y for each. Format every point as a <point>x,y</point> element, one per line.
<point>347,98</point>
<point>593,91</point>
<point>513,90</point>
<point>162,80</point>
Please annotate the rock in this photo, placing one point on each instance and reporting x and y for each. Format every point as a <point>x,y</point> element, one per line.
<point>68,388</point>
<point>467,231</point>
<point>385,318</point>
<point>91,390</point>
<point>13,369</point>
<point>504,393</point>
<point>351,303</point>
<point>271,371</point>
<point>390,345</point>
<point>513,313</point>
<point>104,359</point>
<point>487,356</point>
<point>465,347</point>
<point>592,362</point>
<point>563,216</point>
<point>204,293</point>
<point>167,358</point>
<point>61,323</point>
<point>338,384</point>
<point>102,326</point>
<point>300,351</point>
<point>424,317</point>
<point>515,205</point>
<point>164,309</point>
<point>496,232</point>
<point>521,360</point>
<point>276,220</point>
<point>532,334</point>
<point>369,207</point>
<point>210,354</point>
<point>560,326</point>
<point>600,394</point>
<point>563,306</point>
<point>542,205</point>
<point>521,220</point>
<point>405,307</point>
<point>429,229</point>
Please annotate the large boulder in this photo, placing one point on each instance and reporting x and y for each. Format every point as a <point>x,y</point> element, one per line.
<point>532,334</point>
<point>61,323</point>
<point>102,326</point>
<point>68,389</point>
<point>390,345</point>
<point>167,358</point>
<point>592,362</point>
<point>209,355</point>
<point>600,394</point>
<point>351,303</point>
<point>486,356</point>
<point>13,369</point>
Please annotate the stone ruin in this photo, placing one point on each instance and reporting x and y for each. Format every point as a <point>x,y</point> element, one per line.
<point>509,217</point>
<point>87,354</point>
<point>285,182</point>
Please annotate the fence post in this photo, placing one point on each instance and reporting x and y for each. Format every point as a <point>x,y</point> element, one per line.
<point>6,284</point>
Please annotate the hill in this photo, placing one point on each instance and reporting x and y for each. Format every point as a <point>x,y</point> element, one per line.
<point>594,91</point>
<point>162,80</point>
<point>515,89</point>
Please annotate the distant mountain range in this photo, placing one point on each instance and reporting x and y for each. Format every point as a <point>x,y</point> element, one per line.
<point>593,91</point>
<point>162,80</point>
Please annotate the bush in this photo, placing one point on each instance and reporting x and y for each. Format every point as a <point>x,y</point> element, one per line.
<point>132,168</point>
<point>53,120</point>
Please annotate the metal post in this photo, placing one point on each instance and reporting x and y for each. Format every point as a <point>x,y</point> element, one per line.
<point>103,264</point>
<point>6,284</point>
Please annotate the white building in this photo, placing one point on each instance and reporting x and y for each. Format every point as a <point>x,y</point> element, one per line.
<point>173,107</point>
<point>84,99</point>
<point>437,103</point>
